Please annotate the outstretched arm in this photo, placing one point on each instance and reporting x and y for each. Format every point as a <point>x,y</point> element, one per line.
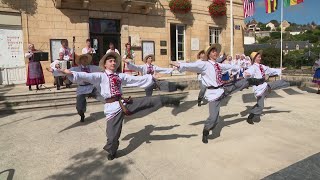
<point>78,77</point>
<point>272,71</point>
<point>163,70</point>
<point>132,66</point>
<point>198,66</point>
<point>136,81</point>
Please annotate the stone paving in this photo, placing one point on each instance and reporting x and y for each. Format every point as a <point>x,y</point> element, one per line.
<point>166,144</point>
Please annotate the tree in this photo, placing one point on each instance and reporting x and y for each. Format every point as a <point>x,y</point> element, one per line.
<point>275,35</point>
<point>290,29</point>
<point>275,22</point>
<point>263,40</point>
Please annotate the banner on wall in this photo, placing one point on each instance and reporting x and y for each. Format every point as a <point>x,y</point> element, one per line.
<point>11,48</point>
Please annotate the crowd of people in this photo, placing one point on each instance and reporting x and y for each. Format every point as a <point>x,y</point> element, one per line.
<point>219,76</point>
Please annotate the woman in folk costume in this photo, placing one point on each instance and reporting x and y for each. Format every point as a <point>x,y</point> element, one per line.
<point>259,71</point>
<point>128,54</point>
<point>109,86</point>
<point>247,62</point>
<point>201,56</point>
<point>84,89</point>
<point>149,68</point>
<point>35,73</point>
<point>316,76</point>
<point>211,72</point>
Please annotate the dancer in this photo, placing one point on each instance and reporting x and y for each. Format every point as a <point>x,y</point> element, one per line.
<point>109,85</point>
<point>35,73</point>
<point>316,76</point>
<point>149,68</point>
<point>211,72</point>
<point>84,89</point>
<point>201,56</point>
<point>259,71</point>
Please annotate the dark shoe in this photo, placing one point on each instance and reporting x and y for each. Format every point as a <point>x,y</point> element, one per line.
<point>318,92</point>
<point>58,88</point>
<point>250,118</point>
<point>205,134</point>
<point>30,89</point>
<point>199,102</point>
<point>38,87</point>
<point>82,117</point>
<point>110,157</point>
<point>68,86</point>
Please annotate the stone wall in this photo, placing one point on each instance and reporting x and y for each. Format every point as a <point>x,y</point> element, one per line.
<point>42,21</point>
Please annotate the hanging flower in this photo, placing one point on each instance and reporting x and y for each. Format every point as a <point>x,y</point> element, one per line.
<point>180,6</point>
<point>218,8</point>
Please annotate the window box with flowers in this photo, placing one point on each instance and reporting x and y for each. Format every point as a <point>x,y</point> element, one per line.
<point>217,8</point>
<point>180,6</point>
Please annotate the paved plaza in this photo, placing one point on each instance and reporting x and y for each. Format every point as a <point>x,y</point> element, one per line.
<point>166,144</point>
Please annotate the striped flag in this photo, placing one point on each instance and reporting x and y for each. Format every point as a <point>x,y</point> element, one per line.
<point>288,3</point>
<point>271,5</point>
<point>248,8</point>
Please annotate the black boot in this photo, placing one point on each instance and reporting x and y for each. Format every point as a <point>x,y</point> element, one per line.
<point>318,91</point>
<point>30,88</point>
<point>38,87</point>
<point>199,101</point>
<point>82,117</point>
<point>205,134</point>
<point>250,118</point>
<point>254,81</point>
<point>109,156</point>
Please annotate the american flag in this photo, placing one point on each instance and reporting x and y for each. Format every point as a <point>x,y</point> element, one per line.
<point>248,8</point>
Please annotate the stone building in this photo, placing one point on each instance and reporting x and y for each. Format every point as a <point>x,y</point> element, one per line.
<point>148,24</point>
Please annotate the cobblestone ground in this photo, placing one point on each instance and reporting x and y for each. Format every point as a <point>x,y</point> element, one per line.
<point>166,144</point>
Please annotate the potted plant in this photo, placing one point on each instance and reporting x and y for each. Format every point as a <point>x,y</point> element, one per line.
<point>180,6</point>
<point>218,8</point>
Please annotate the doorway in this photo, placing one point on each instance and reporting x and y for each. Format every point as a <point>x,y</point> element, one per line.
<point>102,33</point>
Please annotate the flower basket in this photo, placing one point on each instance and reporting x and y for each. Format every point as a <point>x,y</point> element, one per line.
<point>218,8</point>
<point>180,6</point>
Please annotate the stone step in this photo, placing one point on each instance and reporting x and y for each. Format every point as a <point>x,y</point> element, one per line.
<point>53,99</point>
<point>71,103</point>
<point>53,93</point>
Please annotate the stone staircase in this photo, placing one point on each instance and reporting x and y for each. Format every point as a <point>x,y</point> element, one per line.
<point>45,99</point>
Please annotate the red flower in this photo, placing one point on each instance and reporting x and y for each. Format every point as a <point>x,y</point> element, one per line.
<point>218,8</point>
<point>180,6</point>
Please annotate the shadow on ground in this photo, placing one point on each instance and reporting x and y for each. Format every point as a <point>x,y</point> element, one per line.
<point>306,169</point>
<point>88,120</point>
<point>9,173</point>
<point>93,164</point>
<point>144,136</point>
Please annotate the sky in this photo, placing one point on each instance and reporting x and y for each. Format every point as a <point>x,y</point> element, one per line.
<point>303,13</point>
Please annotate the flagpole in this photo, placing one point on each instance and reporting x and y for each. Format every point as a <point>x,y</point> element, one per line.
<point>281,41</point>
<point>231,28</point>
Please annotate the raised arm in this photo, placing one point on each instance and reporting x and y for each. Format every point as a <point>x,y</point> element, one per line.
<point>136,81</point>
<point>163,70</point>
<point>198,66</point>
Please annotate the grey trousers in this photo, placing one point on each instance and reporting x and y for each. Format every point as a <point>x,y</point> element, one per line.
<point>114,125</point>
<point>258,108</point>
<point>203,90</point>
<point>162,85</point>
<point>81,105</point>
<point>214,106</point>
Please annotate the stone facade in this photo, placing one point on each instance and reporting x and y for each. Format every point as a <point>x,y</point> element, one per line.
<point>43,20</point>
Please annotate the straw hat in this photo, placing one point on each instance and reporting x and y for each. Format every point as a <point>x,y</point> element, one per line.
<point>253,55</point>
<point>145,58</point>
<point>115,55</point>
<point>88,58</point>
<point>213,46</point>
